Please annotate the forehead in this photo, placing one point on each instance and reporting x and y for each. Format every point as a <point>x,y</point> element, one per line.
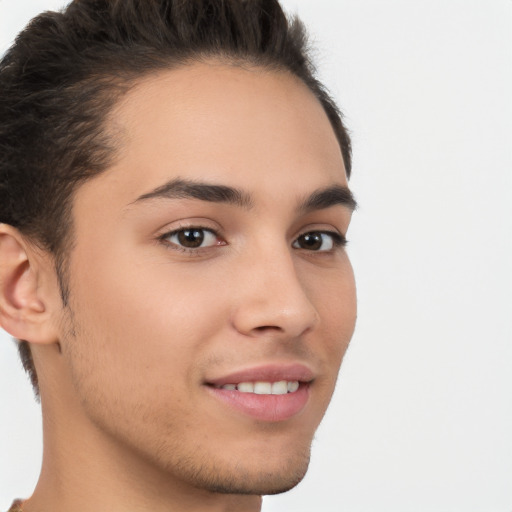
<point>241,126</point>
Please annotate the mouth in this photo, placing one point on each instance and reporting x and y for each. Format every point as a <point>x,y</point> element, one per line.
<point>269,394</point>
<point>281,387</point>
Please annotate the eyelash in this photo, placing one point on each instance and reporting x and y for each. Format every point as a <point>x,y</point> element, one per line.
<point>191,250</point>
<point>338,240</point>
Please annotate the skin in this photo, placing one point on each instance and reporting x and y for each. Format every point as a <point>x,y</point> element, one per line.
<point>129,422</point>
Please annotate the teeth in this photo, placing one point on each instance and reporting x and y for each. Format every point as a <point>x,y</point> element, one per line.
<point>280,388</point>
<point>264,388</point>
<point>293,386</point>
<point>246,387</point>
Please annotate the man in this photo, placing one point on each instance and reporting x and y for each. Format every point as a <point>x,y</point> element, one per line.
<point>173,209</point>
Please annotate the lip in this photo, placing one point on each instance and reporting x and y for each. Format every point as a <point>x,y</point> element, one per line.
<point>266,373</point>
<point>267,408</point>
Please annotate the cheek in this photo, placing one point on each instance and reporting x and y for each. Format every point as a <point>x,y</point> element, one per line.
<point>333,293</point>
<point>136,345</point>
<point>334,298</point>
<point>147,326</point>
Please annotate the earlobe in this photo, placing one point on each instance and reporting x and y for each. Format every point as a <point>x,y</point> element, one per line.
<point>24,308</point>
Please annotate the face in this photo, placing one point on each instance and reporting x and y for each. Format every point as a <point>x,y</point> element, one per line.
<point>212,299</point>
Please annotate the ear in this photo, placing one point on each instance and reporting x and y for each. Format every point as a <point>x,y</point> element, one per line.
<point>27,289</point>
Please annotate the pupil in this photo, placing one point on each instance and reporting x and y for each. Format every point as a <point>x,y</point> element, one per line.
<point>311,241</point>
<point>191,237</point>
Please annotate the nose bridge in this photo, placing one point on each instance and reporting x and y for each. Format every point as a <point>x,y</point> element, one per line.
<point>272,294</point>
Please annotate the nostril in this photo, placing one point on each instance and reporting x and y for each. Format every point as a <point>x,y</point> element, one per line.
<point>264,328</point>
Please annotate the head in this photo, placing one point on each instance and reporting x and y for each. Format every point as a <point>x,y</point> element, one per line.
<point>173,200</point>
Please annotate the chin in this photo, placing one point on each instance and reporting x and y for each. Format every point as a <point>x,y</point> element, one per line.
<point>246,479</point>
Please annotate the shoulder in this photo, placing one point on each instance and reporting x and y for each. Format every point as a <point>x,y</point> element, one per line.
<point>16,506</point>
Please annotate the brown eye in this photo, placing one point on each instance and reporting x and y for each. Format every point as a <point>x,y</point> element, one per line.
<point>192,238</point>
<point>318,241</point>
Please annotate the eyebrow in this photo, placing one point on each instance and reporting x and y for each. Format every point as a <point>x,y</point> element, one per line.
<point>185,189</point>
<point>327,197</point>
<point>179,188</point>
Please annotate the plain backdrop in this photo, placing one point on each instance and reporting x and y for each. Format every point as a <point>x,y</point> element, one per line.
<point>421,420</point>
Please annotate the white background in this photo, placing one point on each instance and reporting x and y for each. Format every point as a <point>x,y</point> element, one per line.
<point>422,417</point>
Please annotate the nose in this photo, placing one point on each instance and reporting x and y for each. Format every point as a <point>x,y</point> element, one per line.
<point>271,300</point>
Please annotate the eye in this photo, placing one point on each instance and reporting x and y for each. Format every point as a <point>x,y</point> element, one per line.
<point>192,238</point>
<point>320,241</point>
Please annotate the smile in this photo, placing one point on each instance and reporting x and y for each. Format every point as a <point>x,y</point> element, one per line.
<point>282,387</point>
<point>268,393</point>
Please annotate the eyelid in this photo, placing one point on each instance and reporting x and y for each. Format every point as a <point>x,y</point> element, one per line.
<point>338,239</point>
<point>165,236</point>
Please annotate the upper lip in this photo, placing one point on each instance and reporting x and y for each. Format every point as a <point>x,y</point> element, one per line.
<point>266,373</point>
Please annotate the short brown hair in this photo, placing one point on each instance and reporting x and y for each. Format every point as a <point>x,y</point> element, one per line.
<point>66,70</point>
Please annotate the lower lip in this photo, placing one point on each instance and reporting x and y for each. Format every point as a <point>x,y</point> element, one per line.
<point>271,408</point>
